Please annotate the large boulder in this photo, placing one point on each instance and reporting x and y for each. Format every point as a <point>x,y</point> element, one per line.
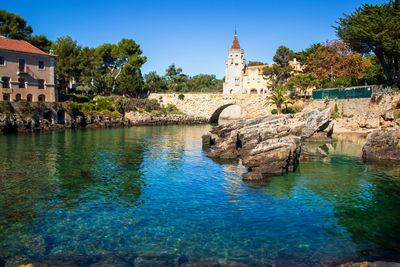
<point>269,145</point>
<point>382,144</point>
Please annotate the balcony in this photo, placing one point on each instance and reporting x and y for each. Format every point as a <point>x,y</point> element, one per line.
<point>22,70</point>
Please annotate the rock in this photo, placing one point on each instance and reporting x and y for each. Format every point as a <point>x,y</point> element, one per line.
<point>382,145</point>
<point>110,261</point>
<point>159,259</point>
<point>268,145</point>
<point>214,263</point>
<point>370,264</point>
<point>34,246</point>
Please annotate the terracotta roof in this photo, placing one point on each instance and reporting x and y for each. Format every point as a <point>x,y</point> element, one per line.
<point>235,44</point>
<point>19,45</point>
<point>259,67</point>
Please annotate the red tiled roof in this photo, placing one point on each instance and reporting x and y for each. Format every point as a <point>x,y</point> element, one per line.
<point>19,45</point>
<point>235,44</point>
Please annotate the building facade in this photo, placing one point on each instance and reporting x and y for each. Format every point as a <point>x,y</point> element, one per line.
<point>235,66</point>
<point>254,81</point>
<point>26,72</point>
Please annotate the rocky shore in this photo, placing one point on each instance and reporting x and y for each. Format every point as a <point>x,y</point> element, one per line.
<point>14,123</point>
<point>270,145</point>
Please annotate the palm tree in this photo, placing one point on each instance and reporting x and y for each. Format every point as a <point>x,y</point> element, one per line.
<point>278,97</point>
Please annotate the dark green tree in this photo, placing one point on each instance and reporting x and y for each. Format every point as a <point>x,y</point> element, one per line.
<point>176,80</point>
<point>41,42</point>
<point>154,83</point>
<point>13,26</point>
<point>256,63</point>
<point>67,61</point>
<point>279,72</point>
<point>302,56</point>
<point>202,83</point>
<point>114,58</point>
<point>302,82</point>
<point>375,28</point>
<point>89,61</point>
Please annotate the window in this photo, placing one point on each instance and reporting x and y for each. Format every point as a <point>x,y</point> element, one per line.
<point>41,65</point>
<point>236,64</point>
<point>237,81</point>
<point>21,65</point>
<point>6,82</point>
<point>29,98</point>
<point>40,84</point>
<point>6,97</point>
<point>17,97</point>
<point>21,83</point>
<point>41,98</point>
<point>2,60</point>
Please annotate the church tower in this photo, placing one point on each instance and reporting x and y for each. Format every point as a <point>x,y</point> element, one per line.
<point>234,68</point>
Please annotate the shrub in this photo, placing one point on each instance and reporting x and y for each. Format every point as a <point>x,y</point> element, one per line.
<point>103,104</point>
<point>326,101</point>
<point>5,107</point>
<point>147,108</point>
<point>116,114</point>
<point>288,110</point>
<point>274,111</point>
<point>25,109</point>
<point>79,98</point>
<point>181,96</point>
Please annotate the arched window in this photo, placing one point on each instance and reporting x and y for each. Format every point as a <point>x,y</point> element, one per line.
<point>253,91</point>
<point>41,98</point>
<point>29,98</point>
<point>17,97</point>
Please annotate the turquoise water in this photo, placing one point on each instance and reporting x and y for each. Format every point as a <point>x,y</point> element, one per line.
<point>152,189</point>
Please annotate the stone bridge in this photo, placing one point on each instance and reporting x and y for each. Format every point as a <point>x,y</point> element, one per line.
<point>215,106</point>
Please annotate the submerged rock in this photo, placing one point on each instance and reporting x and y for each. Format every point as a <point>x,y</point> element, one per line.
<point>382,145</point>
<point>159,259</point>
<point>268,145</point>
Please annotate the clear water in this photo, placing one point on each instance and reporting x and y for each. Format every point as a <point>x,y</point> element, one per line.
<point>152,189</point>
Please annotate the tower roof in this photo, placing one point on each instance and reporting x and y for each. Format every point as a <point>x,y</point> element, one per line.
<point>235,44</point>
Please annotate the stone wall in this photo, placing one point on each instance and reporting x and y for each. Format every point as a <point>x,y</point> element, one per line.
<point>205,105</point>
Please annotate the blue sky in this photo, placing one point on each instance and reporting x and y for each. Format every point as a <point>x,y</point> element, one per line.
<point>194,35</point>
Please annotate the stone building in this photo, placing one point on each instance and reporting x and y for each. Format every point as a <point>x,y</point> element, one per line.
<point>26,72</point>
<point>235,66</point>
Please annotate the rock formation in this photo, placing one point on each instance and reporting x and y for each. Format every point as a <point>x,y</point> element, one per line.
<point>268,145</point>
<point>382,144</point>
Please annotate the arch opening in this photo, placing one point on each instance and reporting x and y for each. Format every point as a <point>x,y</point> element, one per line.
<point>227,113</point>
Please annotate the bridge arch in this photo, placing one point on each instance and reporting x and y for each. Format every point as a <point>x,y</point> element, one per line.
<point>226,113</point>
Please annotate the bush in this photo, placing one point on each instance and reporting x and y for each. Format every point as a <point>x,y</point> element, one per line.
<point>181,96</point>
<point>147,108</point>
<point>5,107</point>
<point>288,110</point>
<point>116,114</point>
<point>25,109</point>
<point>274,111</point>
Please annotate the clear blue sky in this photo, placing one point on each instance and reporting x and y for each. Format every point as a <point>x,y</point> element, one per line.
<point>194,35</point>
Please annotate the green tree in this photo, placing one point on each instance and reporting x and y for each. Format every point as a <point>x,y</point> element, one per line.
<point>256,63</point>
<point>116,56</point>
<point>176,80</point>
<point>89,61</point>
<point>375,28</point>
<point>279,72</point>
<point>41,42</point>
<point>278,97</point>
<point>302,56</point>
<point>154,83</point>
<point>67,61</point>
<point>13,26</point>
<point>202,83</point>
<point>303,82</point>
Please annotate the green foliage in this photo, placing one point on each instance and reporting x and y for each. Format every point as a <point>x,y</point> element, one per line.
<point>176,80</point>
<point>181,96</point>
<point>396,114</point>
<point>256,63</point>
<point>278,97</point>
<point>279,72</point>
<point>339,82</point>
<point>67,62</point>
<point>274,111</point>
<point>154,83</point>
<point>41,42</point>
<point>288,110</point>
<point>375,28</point>
<point>147,108</point>
<point>302,56</point>
<point>25,109</point>
<point>170,109</point>
<point>327,101</point>
<point>13,26</point>
<point>5,107</point>
<point>303,82</point>
<point>335,112</point>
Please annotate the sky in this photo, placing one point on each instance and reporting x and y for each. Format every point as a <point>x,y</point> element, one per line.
<point>193,35</point>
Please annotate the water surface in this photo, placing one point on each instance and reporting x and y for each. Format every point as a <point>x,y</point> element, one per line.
<point>152,189</point>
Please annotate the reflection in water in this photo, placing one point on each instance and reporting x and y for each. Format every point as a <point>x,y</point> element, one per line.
<point>150,189</point>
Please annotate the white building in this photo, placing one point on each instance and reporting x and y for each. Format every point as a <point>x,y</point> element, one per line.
<point>235,66</point>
